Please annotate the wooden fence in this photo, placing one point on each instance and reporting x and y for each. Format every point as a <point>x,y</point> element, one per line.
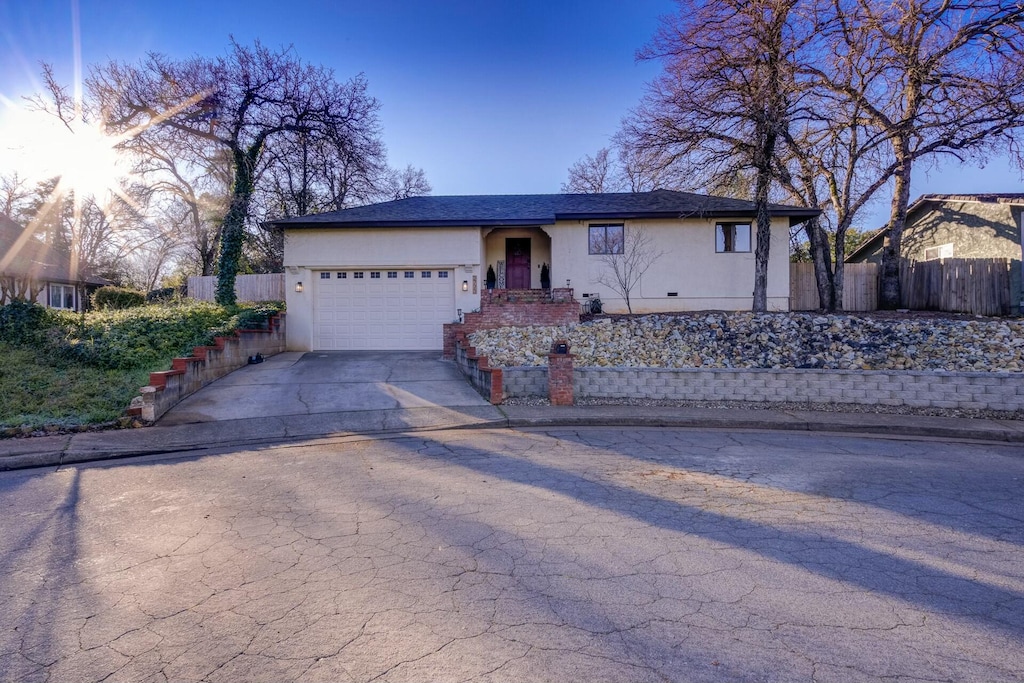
<point>860,287</point>
<point>979,285</point>
<point>266,287</point>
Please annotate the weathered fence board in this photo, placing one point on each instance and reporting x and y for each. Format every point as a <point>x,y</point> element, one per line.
<point>980,286</point>
<point>265,287</point>
<point>860,287</point>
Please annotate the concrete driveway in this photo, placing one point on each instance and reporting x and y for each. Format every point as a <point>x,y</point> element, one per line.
<point>341,391</point>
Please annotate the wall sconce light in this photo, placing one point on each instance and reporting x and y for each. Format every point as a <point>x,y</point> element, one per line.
<point>298,287</point>
<point>465,285</point>
<point>567,285</point>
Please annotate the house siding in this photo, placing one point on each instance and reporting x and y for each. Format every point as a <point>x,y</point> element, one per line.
<point>309,250</point>
<point>975,229</point>
<point>689,266</point>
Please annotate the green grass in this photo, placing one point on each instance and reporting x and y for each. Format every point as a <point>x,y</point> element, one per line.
<point>58,369</point>
<point>36,391</point>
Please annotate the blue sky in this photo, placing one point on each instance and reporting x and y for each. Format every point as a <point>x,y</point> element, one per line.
<point>488,97</point>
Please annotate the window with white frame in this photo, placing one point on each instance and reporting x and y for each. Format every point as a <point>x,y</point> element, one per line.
<point>608,238</point>
<point>939,251</point>
<point>732,237</point>
<point>62,296</point>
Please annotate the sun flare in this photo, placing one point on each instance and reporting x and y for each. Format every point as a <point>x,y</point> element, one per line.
<point>40,146</point>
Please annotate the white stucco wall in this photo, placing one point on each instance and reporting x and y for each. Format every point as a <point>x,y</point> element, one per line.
<point>306,250</point>
<point>540,250</point>
<point>689,266</point>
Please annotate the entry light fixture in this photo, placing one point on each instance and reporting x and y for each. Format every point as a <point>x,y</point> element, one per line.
<point>298,286</point>
<point>567,285</point>
<point>465,285</point>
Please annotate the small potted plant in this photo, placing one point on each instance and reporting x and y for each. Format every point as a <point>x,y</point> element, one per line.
<point>491,277</point>
<point>545,277</point>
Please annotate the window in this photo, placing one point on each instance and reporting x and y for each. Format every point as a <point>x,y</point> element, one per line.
<point>607,239</point>
<point>325,276</point>
<point>409,275</point>
<point>358,275</point>
<point>442,274</point>
<point>938,251</point>
<point>342,276</point>
<point>425,274</point>
<point>392,274</point>
<point>62,296</point>
<point>731,237</point>
<point>374,274</point>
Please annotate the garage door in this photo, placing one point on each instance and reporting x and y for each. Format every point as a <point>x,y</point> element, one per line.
<point>382,309</point>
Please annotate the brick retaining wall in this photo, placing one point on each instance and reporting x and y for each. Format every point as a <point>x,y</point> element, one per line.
<point>515,308</point>
<point>207,363</point>
<point>486,380</point>
<point>981,390</point>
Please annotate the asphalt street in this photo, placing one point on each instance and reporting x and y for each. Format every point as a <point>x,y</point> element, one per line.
<point>585,554</point>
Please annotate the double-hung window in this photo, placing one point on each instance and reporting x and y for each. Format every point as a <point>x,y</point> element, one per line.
<point>607,238</point>
<point>62,296</point>
<point>732,237</point>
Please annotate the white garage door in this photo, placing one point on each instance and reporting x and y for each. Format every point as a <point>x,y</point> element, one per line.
<point>382,309</point>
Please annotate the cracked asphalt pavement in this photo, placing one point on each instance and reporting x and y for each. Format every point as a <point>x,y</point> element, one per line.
<point>500,555</point>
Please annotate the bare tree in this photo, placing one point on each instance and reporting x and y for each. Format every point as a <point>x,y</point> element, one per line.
<point>594,174</point>
<point>918,78</point>
<point>405,183</point>
<point>627,256</point>
<point>725,99</point>
<point>15,192</point>
<point>241,103</point>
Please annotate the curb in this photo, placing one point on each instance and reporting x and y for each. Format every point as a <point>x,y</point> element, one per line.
<point>69,456</point>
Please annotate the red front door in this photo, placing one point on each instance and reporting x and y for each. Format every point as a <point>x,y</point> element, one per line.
<point>517,263</point>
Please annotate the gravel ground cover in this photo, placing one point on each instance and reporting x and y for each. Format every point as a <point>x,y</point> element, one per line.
<point>770,340</point>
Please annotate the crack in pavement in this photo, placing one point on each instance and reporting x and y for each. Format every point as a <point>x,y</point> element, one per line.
<point>584,554</point>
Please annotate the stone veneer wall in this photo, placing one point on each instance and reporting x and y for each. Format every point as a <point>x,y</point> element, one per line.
<point>206,364</point>
<point>981,390</point>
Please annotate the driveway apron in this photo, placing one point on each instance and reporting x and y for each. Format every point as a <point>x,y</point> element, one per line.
<point>340,391</point>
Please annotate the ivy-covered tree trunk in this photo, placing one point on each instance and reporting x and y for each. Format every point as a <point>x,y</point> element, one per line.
<point>889,278</point>
<point>232,234</point>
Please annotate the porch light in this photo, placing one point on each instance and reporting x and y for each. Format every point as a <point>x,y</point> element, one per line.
<point>567,285</point>
<point>465,285</point>
<point>298,286</point>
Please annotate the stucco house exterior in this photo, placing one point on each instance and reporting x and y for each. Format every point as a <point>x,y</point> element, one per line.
<point>32,271</point>
<point>959,226</point>
<point>387,276</point>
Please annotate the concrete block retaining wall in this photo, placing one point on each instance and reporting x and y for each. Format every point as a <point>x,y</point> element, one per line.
<point>206,364</point>
<point>981,390</point>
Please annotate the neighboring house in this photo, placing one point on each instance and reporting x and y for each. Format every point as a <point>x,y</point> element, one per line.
<point>958,226</point>
<point>31,271</point>
<point>387,276</point>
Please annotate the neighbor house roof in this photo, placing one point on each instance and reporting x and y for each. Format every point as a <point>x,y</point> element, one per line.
<point>872,243</point>
<point>537,209</point>
<point>23,255</point>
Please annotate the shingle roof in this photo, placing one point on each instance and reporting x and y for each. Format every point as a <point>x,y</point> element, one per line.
<point>536,209</point>
<point>23,255</point>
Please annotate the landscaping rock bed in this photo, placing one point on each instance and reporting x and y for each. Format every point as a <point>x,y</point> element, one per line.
<point>770,340</point>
